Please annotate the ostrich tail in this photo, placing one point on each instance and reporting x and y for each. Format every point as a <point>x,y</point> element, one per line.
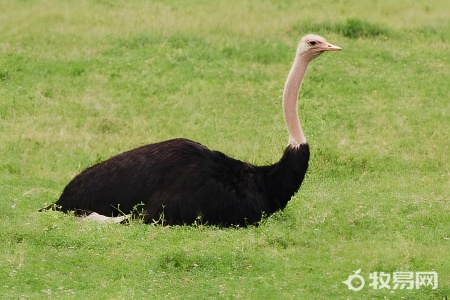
<point>104,219</point>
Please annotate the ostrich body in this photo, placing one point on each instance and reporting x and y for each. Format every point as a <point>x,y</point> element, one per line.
<point>180,181</point>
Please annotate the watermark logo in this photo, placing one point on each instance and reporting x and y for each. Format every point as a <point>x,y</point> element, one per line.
<point>393,281</point>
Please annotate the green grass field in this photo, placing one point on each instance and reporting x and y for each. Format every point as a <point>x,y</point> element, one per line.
<point>83,80</point>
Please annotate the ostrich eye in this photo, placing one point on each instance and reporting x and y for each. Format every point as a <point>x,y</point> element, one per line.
<point>312,43</point>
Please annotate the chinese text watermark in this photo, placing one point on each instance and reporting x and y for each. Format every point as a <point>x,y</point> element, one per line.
<point>393,281</point>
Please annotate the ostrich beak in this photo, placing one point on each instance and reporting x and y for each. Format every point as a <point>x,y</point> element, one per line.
<point>331,47</point>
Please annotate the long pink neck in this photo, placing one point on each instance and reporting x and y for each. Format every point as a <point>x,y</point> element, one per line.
<point>290,96</point>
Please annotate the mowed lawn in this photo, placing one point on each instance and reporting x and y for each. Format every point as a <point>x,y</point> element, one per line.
<point>81,81</point>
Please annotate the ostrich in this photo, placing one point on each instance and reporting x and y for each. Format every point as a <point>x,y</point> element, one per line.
<point>180,181</point>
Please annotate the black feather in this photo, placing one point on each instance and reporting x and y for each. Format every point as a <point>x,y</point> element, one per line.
<point>182,181</point>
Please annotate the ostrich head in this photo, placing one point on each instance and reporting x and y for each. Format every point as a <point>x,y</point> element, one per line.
<point>312,45</point>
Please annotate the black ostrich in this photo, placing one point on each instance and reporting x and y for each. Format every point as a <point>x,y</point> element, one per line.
<point>180,181</point>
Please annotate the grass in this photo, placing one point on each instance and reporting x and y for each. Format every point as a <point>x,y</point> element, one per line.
<point>81,81</point>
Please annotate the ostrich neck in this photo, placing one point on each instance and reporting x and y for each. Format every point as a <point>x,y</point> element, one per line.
<point>290,96</point>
